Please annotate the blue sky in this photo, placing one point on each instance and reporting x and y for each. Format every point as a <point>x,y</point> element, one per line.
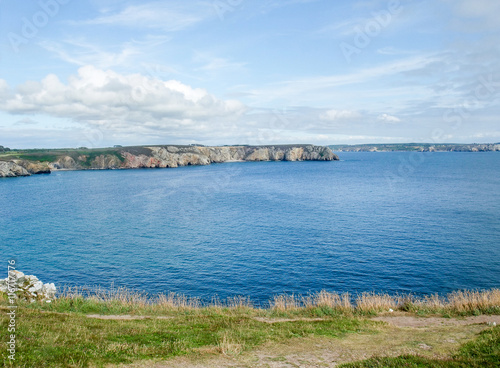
<point>98,73</point>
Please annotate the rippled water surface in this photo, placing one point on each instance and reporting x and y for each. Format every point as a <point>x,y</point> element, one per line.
<point>393,222</point>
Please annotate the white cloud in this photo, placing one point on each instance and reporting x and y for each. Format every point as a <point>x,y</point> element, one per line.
<point>82,53</point>
<point>272,5</point>
<point>298,88</point>
<point>340,115</point>
<point>167,16</point>
<point>495,134</point>
<point>125,103</point>
<point>27,121</point>
<point>221,64</point>
<point>211,63</point>
<point>486,9</point>
<point>484,14</point>
<point>395,51</point>
<point>389,119</point>
<point>345,27</point>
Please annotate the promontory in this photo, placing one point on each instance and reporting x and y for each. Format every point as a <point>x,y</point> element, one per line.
<point>15,163</point>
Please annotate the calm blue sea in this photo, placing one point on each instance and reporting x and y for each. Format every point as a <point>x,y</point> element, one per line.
<point>391,222</point>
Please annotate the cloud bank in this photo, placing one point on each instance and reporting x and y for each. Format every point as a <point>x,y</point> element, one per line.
<point>107,99</point>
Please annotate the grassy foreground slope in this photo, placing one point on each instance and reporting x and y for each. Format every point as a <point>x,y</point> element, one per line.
<point>106,329</point>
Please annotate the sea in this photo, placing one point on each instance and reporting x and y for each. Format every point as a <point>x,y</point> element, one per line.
<point>391,222</point>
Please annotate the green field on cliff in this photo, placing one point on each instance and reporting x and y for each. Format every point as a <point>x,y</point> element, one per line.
<point>51,155</point>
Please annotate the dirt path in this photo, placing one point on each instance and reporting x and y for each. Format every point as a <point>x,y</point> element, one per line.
<point>279,320</point>
<point>124,317</point>
<point>433,337</point>
<point>408,321</point>
<point>396,320</point>
<point>127,317</point>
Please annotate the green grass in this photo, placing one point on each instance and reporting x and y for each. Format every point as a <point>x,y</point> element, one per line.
<point>59,334</point>
<point>52,339</point>
<point>483,352</point>
<point>42,157</point>
<point>53,155</point>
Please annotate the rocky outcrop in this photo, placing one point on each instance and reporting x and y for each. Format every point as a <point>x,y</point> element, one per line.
<point>65,162</point>
<point>27,287</point>
<point>9,169</point>
<point>34,168</point>
<point>170,156</point>
<point>175,156</point>
<point>105,162</point>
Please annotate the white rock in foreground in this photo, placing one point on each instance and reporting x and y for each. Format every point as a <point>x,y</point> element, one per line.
<point>28,286</point>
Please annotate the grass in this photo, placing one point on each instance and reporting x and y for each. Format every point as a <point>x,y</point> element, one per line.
<point>55,339</point>
<point>59,334</point>
<point>52,155</point>
<point>459,303</point>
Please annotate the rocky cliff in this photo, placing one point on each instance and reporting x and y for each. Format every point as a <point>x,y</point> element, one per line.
<point>163,157</point>
<point>175,156</point>
<point>22,168</point>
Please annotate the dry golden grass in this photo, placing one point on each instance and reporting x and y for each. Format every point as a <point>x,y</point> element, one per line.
<point>321,299</point>
<point>333,300</point>
<point>285,302</point>
<point>239,302</point>
<point>470,301</point>
<point>177,301</point>
<point>434,302</point>
<point>229,346</point>
<point>458,302</point>
<point>340,302</point>
<point>372,302</point>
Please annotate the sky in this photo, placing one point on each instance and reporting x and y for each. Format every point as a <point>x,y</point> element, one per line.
<point>99,73</point>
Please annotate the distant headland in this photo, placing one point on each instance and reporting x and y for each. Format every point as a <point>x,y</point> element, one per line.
<point>14,163</point>
<point>417,147</point>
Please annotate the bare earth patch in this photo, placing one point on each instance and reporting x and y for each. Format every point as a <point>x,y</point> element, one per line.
<point>409,321</point>
<point>127,317</point>
<point>431,337</point>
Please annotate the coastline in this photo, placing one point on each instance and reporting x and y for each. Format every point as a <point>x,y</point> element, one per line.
<point>32,162</point>
<point>418,147</point>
